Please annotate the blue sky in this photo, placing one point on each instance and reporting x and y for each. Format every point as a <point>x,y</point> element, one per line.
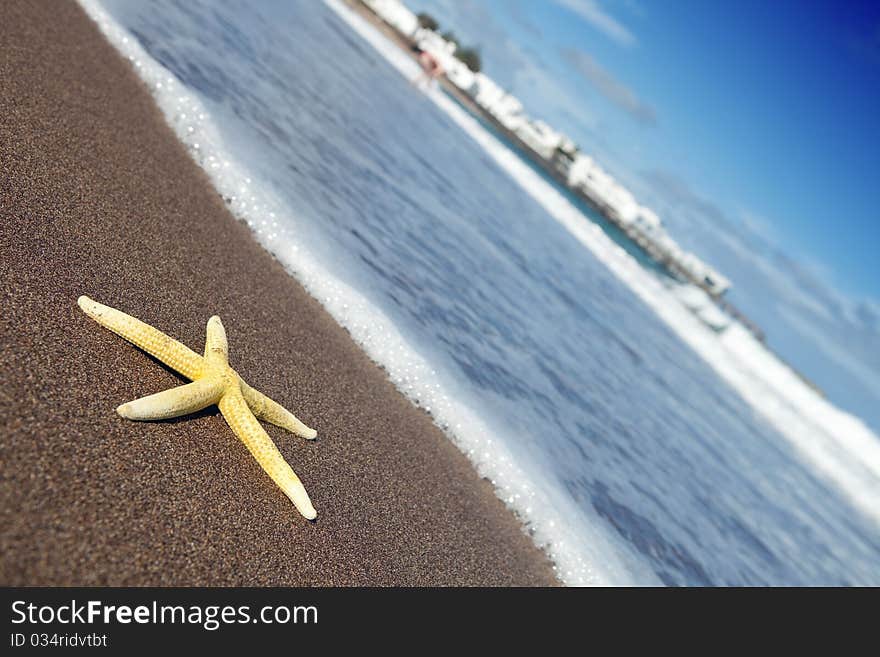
<point>769,109</point>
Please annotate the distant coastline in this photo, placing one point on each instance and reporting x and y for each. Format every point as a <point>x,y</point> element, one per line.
<point>558,175</point>
<point>566,166</point>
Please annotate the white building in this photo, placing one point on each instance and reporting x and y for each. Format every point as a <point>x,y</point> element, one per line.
<point>461,76</point>
<point>647,220</point>
<point>395,14</point>
<point>622,205</point>
<point>597,184</point>
<point>506,108</point>
<point>587,175</point>
<point>668,247</point>
<point>567,144</point>
<point>430,41</point>
<point>715,281</point>
<point>565,155</point>
<point>539,136</point>
<point>577,172</point>
<point>487,93</point>
<point>509,112</point>
<point>708,276</point>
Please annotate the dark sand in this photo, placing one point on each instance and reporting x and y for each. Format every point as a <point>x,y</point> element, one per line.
<point>98,197</point>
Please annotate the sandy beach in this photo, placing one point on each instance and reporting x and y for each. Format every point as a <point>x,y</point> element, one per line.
<point>98,197</point>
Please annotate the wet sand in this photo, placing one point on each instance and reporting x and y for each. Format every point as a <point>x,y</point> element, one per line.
<point>98,197</point>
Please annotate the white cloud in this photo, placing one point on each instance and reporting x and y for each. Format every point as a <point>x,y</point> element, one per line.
<point>614,90</point>
<point>592,12</point>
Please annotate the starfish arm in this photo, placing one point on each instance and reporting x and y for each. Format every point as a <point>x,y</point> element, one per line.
<point>271,411</point>
<point>168,350</point>
<point>255,438</point>
<point>216,344</point>
<point>175,402</point>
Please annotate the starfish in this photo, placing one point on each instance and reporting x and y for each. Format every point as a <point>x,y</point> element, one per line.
<point>213,382</point>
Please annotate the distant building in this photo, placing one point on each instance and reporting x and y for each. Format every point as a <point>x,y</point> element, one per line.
<point>648,220</point>
<point>395,14</point>
<point>506,108</point>
<point>564,156</point>
<point>539,136</point>
<point>577,171</point>
<point>430,41</point>
<point>622,205</point>
<point>667,247</point>
<point>509,112</point>
<point>617,201</point>
<point>714,282</point>
<point>486,93</point>
<point>461,76</point>
<point>597,184</point>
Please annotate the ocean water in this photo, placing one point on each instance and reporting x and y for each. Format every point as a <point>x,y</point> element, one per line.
<point>636,446</point>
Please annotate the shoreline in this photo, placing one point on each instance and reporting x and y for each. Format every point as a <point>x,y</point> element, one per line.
<point>101,198</point>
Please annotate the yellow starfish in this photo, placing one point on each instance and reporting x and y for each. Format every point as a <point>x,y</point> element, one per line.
<point>213,382</point>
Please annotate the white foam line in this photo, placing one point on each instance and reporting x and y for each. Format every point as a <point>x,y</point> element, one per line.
<point>838,446</point>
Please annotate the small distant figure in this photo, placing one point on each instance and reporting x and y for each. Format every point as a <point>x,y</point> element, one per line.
<point>431,68</point>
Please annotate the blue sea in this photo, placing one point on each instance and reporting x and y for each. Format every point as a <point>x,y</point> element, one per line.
<point>636,445</point>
